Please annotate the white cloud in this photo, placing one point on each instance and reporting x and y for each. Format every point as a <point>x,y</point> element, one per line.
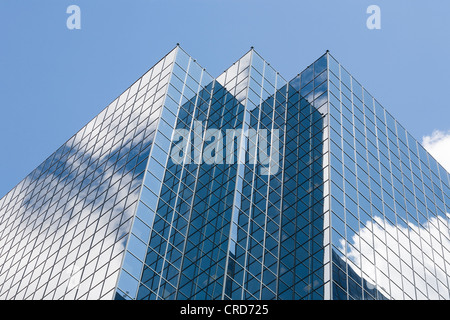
<point>438,144</point>
<point>392,257</point>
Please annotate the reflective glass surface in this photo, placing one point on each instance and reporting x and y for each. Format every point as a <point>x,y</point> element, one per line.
<point>340,202</point>
<point>64,228</point>
<point>226,230</point>
<point>389,200</point>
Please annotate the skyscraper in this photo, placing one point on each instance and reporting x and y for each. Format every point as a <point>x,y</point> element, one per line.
<point>244,186</point>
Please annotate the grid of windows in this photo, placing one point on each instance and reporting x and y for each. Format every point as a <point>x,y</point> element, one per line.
<point>390,202</point>
<point>64,228</point>
<point>304,260</point>
<point>226,231</point>
<point>188,247</point>
<point>160,221</point>
<point>354,208</point>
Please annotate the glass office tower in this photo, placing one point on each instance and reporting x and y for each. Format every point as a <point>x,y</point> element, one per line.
<point>338,201</point>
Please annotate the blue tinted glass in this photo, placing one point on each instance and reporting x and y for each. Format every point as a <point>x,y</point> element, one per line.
<point>291,220</point>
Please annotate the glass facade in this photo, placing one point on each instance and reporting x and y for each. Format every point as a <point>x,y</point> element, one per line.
<point>227,231</point>
<point>390,202</point>
<point>341,203</point>
<point>64,228</point>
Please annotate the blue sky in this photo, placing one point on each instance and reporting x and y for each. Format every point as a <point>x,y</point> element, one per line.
<point>54,80</point>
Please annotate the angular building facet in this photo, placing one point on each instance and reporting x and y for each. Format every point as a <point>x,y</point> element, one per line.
<point>244,186</point>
